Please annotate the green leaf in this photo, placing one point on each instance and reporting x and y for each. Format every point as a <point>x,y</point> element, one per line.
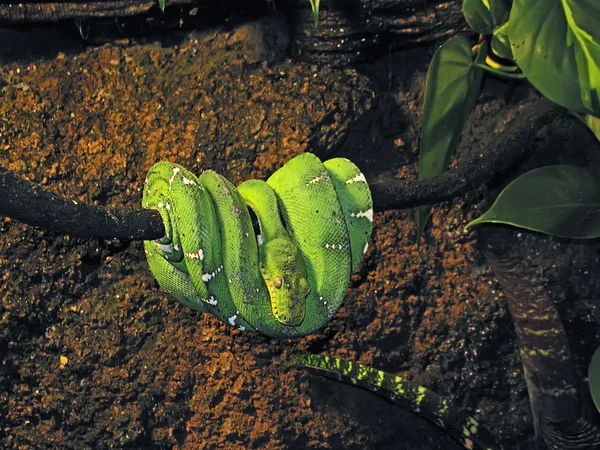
<point>500,11</point>
<point>162,4</point>
<point>478,16</point>
<point>594,377</point>
<point>315,4</point>
<point>501,43</point>
<point>556,43</point>
<point>453,83</point>
<point>485,15</point>
<point>562,201</point>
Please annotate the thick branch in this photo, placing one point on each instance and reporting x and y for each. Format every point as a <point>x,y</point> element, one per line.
<point>543,346</point>
<point>54,11</point>
<point>503,153</point>
<point>349,32</point>
<point>360,30</point>
<point>34,205</point>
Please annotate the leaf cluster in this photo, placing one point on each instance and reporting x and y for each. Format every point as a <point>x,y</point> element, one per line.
<point>555,46</point>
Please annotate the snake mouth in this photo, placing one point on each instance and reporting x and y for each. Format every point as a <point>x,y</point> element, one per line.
<point>287,319</point>
<point>291,313</point>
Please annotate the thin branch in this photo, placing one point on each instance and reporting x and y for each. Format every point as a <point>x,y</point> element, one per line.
<point>502,154</point>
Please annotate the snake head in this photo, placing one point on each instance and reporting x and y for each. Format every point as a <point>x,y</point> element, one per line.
<point>285,275</point>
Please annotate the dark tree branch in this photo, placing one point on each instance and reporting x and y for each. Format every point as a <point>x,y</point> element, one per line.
<point>34,205</point>
<point>543,346</point>
<point>349,31</point>
<point>29,12</point>
<point>31,204</point>
<point>502,154</point>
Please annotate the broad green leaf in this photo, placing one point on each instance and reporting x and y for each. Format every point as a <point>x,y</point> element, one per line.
<point>485,15</point>
<point>556,43</point>
<point>315,4</point>
<point>500,42</point>
<point>478,15</point>
<point>594,377</point>
<point>162,4</point>
<point>500,11</point>
<point>562,201</point>
<point>452,86</point>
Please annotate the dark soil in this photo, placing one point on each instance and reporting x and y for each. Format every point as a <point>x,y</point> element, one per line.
<point>93,354</point>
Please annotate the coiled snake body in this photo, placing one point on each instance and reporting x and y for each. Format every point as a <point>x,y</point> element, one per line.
<point>287,280</point>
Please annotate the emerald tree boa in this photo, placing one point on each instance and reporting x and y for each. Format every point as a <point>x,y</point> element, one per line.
<point>287,276</point>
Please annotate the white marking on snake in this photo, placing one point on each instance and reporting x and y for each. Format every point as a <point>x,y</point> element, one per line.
<point>366,248</point>
<point>259,239</point>
<point>187,180</point>
<point>358,178</point>
<point>368,214</point>
<point>161,205</point>
<point>206,277</point>
<point>232,319</point>
<point>175,172</point>
<point>242,328</point>
<point>168,206</point>
<point>197,255</point>
<point>323,177</point>
<point>212,300</point>
<point>176,247</point>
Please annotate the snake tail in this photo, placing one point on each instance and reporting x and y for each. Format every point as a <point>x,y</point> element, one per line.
<point>286,279</point>
<point>462,427</point>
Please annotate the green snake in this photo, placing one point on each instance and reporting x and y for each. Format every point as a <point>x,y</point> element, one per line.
<point>462,427</point>
<point>287,276</point>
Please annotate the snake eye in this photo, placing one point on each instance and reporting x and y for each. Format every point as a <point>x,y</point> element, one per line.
<point>278,282</point>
